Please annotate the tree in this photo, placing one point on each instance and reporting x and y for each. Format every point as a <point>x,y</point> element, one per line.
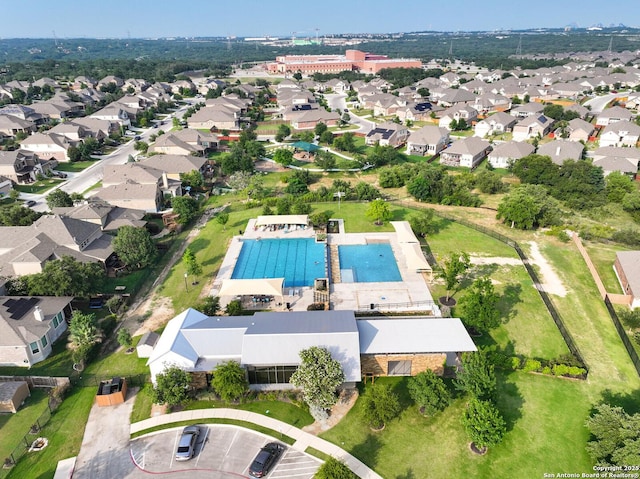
<point>476,375</point>
<point>283,132</point>
<point>429,392</point>
<point>74,154</point>
<point>192,178</point>
<point>18,215</point>
<point>283,156</point>
<point>379,405</point>
<point>172,386</point>
<point>333,468</point>
<point>326,137</point>
<point>483,423</point>
<point>379,211</point>
<point>59,198</point>
<point>124,338</point>
<point>617,186</point>
<point>66,277</point>
<point>325,160</point>
<point>320,128</point>
<point>318,376</point>
<point>134,246</point>
<point>191,263</point>
<point>113,303</point>
<point>423,223</point>
<point>234,308</point>
<point>141,146</point>
<point>229,381</point>
<point>480,306</point>
<point>615,434</point>
<point>83,334</point>
<point>210,305</point>
<point>185,207</point>
<point>454,267</point>
<point>536,169</point>
<point>345,142</point>
<point>528,206</point>
<point>489,182</point>
<point>223,219</point>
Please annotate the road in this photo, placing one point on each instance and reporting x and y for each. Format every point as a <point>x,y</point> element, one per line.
<point>80,182</point>
<point>599,103</point>
<point>336,101</point>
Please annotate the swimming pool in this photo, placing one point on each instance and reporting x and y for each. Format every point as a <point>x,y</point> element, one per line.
<point>370,263</point>
<point>299,260</point>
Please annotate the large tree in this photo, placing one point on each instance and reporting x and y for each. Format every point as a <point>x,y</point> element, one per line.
<point>479,307</point>
<point>379,211</point>
<point>229,381</point>
<point>83,335</point>
<point>379,405</point>
<point>283,156</point>
<point>185,207</point>
<point>325,160</point>
<point>18,215</point>
<point>452,270</point>
<point>527,207</point>
<point>616,436</point>
<point>58,198</point>
<point>483,423</point>
<point>318,376</point>
<point>476,375</point>
<point>66,277</point>
<point>423,222</point>
<point>172,386</point>
<point>134,246</point>
<point>429,392</point>
<point>283,131</point>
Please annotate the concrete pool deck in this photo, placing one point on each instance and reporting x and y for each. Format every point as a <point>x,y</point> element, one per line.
<point>410,294</point>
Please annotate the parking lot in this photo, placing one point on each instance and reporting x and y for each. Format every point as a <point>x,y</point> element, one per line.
<point>222,451</point>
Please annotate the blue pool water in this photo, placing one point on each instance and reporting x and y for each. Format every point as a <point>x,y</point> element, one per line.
<point>298,260</point>
<point>370,263</point>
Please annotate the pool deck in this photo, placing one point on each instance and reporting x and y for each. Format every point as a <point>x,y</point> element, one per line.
<point>410,294</point>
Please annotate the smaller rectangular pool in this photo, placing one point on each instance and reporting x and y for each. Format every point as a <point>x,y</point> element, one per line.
<point>370,263</point>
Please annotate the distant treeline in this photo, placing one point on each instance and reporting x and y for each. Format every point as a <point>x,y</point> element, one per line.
<point>159,59</point>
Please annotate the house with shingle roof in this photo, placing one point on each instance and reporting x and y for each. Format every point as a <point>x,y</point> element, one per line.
<point>131,195</point>
<point>531,127</point>
<point>10,126</point>
<point>612,158</point>
<point>427,141</point>
<point>107,216</point>
<point>29,325</point>
<point>214,118</point>
<point>387,134</point>
<point>48,146</point>
<point>504,154</point>
<point>468,152</point>
<point>170,144</point>
<point>494,125</point>
<point>561,150</point>
<point>22,166</point>
<point>528,109</point>
<point>175,165</point>
<point>613,115</point>
<point>580,130</point>
<point>620,133</point>
<point>457,113</point>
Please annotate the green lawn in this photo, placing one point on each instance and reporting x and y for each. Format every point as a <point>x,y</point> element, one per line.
<point>603,256</point>
<point>76,166</point>
<point>15,426</point>
<point>59,363</point>
<point>64,431</point>
<point>39,186</point>
<point>540,438</point>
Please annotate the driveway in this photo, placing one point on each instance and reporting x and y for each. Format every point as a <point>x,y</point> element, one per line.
<point>104,453</point>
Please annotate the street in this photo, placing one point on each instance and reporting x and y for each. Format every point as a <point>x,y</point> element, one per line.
<point>336,101</point>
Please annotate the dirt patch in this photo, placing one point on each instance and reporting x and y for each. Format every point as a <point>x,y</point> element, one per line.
<point>345,402</point>
<point>151,314</point>
<point>481,260</point>
<point>550,281</point>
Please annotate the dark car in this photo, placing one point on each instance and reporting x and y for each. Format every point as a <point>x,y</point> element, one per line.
<point>265,459</point>
<point>30,203</point>
<point>59,174</point>
<point>187,444</point>
<point>137,137</point>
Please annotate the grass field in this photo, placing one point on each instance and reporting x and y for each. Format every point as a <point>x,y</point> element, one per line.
<point>603,256</point>
<point>76,166</point>
<point>38,187</point>
<point>15,426</point>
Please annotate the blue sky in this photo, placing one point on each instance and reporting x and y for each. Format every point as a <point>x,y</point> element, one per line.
<point>165,18</point>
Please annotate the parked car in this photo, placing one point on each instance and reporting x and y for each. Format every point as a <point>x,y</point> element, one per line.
<point>187,444</point>
<point>137,137</point>
<point>95,303</point>
<point>30,203</point>
<point>265,459</point>
<point>59,174</point>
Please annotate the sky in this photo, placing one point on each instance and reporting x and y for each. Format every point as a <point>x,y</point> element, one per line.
<point>202,18</point>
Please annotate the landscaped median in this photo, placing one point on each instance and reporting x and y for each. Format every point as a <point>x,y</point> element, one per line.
<point>301,440</point>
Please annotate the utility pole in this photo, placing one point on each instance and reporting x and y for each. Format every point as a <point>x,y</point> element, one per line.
<point>519,47</point>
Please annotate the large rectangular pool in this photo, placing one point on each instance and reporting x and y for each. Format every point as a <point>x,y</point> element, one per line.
<point>370,263</point>
<point>299,261</point>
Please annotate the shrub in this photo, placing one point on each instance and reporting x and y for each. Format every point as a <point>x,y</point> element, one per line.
<point>531,365</point>
<point>546,370</point>
<point>516,363</point>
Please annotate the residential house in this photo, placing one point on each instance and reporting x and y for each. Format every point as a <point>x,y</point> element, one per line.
<point>491,102</point>
<point>505,154</point>
<point>387,104</point>
<point>48,146</point>
<point>174,165</point>
<point>531,127</point>
<point>309,119</point>
<point>24,113</point>
<point>457,113</point>
<point>528,109</point>
<point>612,158</point>
<point>214,118</point>
<point>413,111</point>
<point>584,112</point>
<point>613,115</point>
<point>468,152</point>
<point>387,133</point>
<point>495,124</point>
<point>620,133</point>
<point>22,166</point>
<point>627,268</point>
<point>10,126</point>
<point>26,249</point>
<point>561,150</point>
<point>107,216</point>
<point>451,97</point>
<point>81,82</point>
<point>429,140</point>
<point>172,145</point>
<point>117,81</point>
<point>579,130</point>
<point>29,325</point>
<point>6,185</point>
<point>268,344</point>
<point>96,128</point>
<point>114,113</point>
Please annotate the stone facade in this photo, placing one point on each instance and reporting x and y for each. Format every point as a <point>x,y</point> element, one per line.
<point>199,381</point>
<point>378,364</point>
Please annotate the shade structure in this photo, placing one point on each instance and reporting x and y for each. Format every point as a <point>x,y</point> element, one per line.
<point>305,146</point>
<point>246,287</point>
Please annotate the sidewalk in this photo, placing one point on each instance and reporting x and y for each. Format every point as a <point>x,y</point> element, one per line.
<point>303,439</point>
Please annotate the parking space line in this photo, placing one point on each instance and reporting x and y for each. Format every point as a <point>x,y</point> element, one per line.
<point>226,453</point>
<point>201,447</point>
<point>175,446</point>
